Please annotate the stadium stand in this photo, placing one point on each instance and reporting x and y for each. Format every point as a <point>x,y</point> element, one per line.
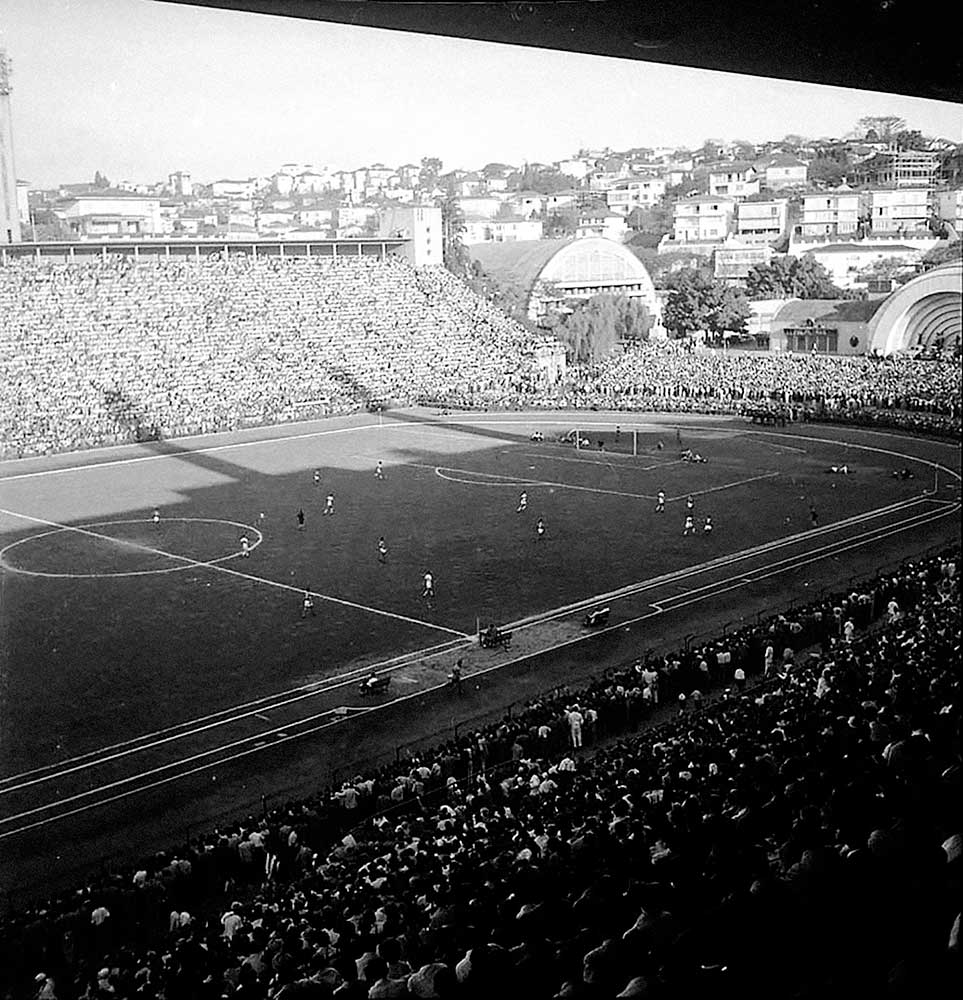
<point>666,377</point>
<point>799,836</point>
<point>117,349</point>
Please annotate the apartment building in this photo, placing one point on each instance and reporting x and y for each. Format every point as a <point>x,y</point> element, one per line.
<point>703,219</point>
<point>761,221</point>
<point>949,207</point>
<point>733,180</point>
<point>899,210</point>
<point>626,196</point>
<point>830,213</point>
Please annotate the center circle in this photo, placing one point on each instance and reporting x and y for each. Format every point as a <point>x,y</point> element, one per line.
<point>182,562</point>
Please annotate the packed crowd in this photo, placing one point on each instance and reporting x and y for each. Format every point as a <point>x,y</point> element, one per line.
<point>116,349</point>
<point>799,836</point>
<point>922,394</point>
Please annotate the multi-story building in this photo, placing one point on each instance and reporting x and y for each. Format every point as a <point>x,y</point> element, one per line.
<point>112,213</point>
<point>421,226</point>
<point>761,221</point>
<point>901,168</point>
<point>480,230</point>
<point>733,180</point>
<point>733,261</point>
<point>784,170</point>
<point>601,222</point>
<point>527,203</point>
<point>899,210</point>
<point>949,207</point>
<point>180,185</point>
<point>830,213</point>
<point>702,219</point>
<point>626,196</point>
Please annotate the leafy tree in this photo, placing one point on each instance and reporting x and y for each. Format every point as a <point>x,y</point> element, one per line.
<point>543,180</point>
<point>943,255</point>
<point>884,127</point>
<point>505,212</point>
<point>790,278</point>
<point>655,219</point>
<point>697,302</point>
<point>430,171</point>
<point>911,139</point>
<point>452,226</point>
<point>597,325</point>
<point>828,171</point>
<point>100,181</point>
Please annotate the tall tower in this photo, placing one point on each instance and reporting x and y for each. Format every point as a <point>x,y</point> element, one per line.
<point>9,216</point>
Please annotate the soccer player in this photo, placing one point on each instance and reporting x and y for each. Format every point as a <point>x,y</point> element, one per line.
<point>156,517</point>
<point>260,517</point>
<point>539,530</point>
<point>813,516</point>
<point>660,503</point>
<point>429,590</point>
<point>328,504</point>
<point>317,477</point>
<point>307,605</point>
<point>379,470</point>
<point>245,547</point>
<point>300,517</point>
<point>689,502</point>
<point>707,527</point>
<point>522,503</point>
<point>382,550</point>
<point>689,527</point>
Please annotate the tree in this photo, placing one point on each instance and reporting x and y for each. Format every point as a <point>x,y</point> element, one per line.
<point>943,255</point>
<point>596,325</point>
<point>827,171</point>
<point>430,171</point>
<point>655,219</point>
<point>452,226</point>
<point>100,181</point>
<point>791,278</point>
<point>911,139</point>
<point>697,302</point>
<point>885,127</point>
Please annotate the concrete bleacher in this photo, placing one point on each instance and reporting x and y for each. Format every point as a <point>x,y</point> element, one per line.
<point>100,351</point>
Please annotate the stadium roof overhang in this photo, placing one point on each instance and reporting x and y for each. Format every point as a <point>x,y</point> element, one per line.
<point>205,246</point>
<point>806,40</point>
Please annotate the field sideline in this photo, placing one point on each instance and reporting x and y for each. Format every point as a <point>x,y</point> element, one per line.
<point>136,656</point>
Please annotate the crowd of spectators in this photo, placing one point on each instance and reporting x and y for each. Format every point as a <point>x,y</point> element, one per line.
<point>798,836</point>
<point>116,349</point>
<point>666,376</point>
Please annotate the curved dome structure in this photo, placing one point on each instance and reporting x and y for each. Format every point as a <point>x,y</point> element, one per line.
<point>576,268</point>
<point>925,312</point>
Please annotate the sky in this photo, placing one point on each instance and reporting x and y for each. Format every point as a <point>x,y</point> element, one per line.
<point>138,89</point>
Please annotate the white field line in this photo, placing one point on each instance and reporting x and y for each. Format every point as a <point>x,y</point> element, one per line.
<point>334,683</point>
<point>248,709</point>
<point>227,716</point>
<point>232,572</point>
<point>719,562</point>
<point>725,486</point>
<point>594,461</point>
<point>285,737</point>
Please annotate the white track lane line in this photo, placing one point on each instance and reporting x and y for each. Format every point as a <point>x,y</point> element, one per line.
<point>234,572</point>
<point>894,529</point>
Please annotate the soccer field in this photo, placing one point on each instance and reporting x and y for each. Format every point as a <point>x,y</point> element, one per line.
<point>115,626</point>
